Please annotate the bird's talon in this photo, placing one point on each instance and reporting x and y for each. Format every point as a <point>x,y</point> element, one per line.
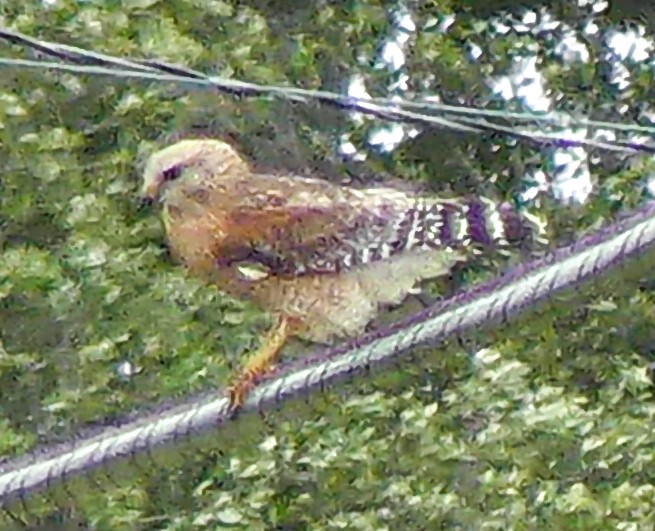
<point>238,392</point>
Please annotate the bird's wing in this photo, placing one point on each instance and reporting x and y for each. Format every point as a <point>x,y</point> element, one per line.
<point>292,226</point>
<point>314,227</point>
<point>295,240</point>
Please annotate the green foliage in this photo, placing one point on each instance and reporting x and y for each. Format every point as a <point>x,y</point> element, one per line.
<point>548,424</point>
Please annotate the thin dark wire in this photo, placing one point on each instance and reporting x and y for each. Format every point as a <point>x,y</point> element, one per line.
<point>82,56</point>
<point>495,301</point>
<point>94,63</point>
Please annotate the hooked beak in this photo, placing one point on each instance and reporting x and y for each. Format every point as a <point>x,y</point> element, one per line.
<point>148,196</point>
<point>144,202</point>
<point>151,192</point>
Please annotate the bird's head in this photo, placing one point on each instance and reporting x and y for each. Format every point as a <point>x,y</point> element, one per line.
<point>204,159</point>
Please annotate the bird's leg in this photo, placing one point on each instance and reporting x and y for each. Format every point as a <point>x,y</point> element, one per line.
<point>260,363</point>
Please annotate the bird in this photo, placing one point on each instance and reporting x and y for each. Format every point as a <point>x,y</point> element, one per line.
<point>322,258</point>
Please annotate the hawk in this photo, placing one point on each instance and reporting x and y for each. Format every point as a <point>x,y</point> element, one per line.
<point>321,257</point>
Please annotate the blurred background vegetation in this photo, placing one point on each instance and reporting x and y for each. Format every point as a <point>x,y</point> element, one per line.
<point>544,423</point>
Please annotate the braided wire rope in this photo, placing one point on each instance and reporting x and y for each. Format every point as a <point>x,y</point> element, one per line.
<point>494,301</point>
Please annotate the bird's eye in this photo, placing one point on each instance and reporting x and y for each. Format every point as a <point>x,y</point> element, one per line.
<point>172,173</point>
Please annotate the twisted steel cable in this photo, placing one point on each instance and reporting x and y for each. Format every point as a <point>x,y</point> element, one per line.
<point>495,301</point>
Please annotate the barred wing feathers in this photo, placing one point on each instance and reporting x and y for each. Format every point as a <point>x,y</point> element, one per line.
<point>324,229</point>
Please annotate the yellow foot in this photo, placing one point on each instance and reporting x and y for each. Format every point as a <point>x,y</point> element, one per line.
<point>259,364</point>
